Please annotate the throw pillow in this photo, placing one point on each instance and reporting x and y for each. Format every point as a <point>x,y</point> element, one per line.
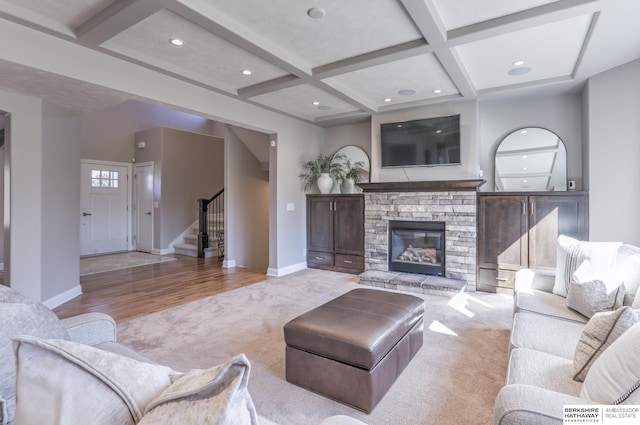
<point>571,253</point>
<point>598,334</point>
<point>64,383</point>
<point>614,378</point>
<point>18,318</point>
<point>201,395</point>
<point>588,294</point>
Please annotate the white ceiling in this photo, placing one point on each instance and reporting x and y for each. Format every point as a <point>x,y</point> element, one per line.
<point>353,61</point>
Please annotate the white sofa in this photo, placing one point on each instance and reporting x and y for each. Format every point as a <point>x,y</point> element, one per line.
<point>543,342</point>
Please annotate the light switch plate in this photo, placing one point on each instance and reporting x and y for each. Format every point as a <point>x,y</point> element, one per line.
<point>290,207</point>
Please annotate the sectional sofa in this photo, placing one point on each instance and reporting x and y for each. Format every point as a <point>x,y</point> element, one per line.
<point>552,346</point>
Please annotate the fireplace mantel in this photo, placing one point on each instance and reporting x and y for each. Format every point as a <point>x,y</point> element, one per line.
<point>425,186</point>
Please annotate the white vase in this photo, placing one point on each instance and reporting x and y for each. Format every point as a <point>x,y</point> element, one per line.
<point>348,186</point>
<point>325,183</point>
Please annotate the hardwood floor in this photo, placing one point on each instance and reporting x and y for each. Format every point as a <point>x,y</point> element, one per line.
<point>138,291</point>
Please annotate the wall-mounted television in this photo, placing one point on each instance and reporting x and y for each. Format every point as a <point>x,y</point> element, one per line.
<point>422,142</point>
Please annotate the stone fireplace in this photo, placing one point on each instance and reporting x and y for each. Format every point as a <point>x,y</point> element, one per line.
<point>453,204</point>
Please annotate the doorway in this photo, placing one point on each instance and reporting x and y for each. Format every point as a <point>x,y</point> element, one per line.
<point>144,207</point>
<point>104,207</point>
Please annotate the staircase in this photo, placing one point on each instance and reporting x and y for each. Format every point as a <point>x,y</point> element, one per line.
<point>216,241</point>
<point>205,238</point>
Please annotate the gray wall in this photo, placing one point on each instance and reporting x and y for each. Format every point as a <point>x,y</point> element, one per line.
<point>560,114</point>
<point>187,167</point>
<point>352,134</point>
<point>60,189</point>
<point>614,154</point>
<point>246,205</point>
<point>108,134</point>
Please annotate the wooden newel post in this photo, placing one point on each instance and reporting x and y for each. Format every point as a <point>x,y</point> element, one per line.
<point>203,237</point>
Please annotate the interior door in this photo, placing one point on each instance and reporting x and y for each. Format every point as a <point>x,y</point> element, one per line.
<point>144,207</point>
<point>103,208</point>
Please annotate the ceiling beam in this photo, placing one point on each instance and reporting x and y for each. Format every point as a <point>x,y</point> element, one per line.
<point>203,14</point>
<point>541,15</point>
<point>279,83</point>
<point>425,17</point>
<point>378,57</point>
<point>115,18</point>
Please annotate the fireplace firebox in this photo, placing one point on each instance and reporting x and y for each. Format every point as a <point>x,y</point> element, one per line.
<point>417,247</point>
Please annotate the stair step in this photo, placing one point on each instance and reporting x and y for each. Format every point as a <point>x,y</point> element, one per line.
<point>192,250</point>
<point>193,239</point>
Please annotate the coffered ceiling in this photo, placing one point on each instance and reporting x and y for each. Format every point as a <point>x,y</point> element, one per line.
<point>335,61</point>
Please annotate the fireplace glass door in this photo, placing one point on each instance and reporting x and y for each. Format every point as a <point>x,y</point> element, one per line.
<point>417,247</point>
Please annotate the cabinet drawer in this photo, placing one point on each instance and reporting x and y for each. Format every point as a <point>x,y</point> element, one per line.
<point>349,261</point>
<point>491,280</point>
<point>318,258</point>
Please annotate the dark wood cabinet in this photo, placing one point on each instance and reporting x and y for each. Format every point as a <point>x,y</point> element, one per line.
<point>335,232</point>
<point>519,230</point>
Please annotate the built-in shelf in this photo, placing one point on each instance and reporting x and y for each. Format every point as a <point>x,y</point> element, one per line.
<point>426,186</point>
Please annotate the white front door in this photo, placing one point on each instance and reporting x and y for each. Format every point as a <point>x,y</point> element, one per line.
<point>144,207</point>
<point>103,208</point>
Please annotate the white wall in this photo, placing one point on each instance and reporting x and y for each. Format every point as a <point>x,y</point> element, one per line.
<point>614,154</point>
<point>468,169</point>
<point>560,114</point>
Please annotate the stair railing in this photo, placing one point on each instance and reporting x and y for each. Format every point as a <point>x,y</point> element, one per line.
<point>209,211</point>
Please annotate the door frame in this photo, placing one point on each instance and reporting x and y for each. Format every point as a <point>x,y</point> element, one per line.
<point>129,167</point>
<point>134,210</point>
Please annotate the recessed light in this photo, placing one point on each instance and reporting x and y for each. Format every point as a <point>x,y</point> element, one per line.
<point>518,63</point>
<point>524,168</point>
<point>316,13</point>
<point>406,92</point>
<point>436,91</point>
<point>316,103</point>
<point>524,156</point>
<point>246,72</point>
<point>524,181</point>
<point>176,41</point>
<point>519,71</point>
<point>387,99</point>
<point>523,131</point>
<point>438,131</point>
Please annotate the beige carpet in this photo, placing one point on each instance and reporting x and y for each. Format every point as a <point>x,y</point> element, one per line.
<point>105,263</point>
<point>453,379</point>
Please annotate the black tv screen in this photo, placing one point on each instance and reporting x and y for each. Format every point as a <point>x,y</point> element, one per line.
<point>423,142</point>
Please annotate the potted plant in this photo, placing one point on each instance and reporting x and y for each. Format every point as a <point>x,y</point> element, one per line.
<point>352,175</point>
<point>322,171</point>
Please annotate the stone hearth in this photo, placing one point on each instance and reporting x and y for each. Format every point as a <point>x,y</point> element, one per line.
<point>451,202</point>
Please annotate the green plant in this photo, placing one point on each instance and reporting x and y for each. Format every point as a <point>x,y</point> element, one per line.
<point>352,171</point>
<point>312,169</point>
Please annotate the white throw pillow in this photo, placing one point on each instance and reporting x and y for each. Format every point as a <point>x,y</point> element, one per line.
<point>614,378</point>
<point>65,383</point>
<point>201,395</point>
<point>598,334</point>
<point>571,253</point>
<point>589,293</point>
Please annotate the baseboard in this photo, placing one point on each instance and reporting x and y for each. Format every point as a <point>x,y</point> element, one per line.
<point>164,251</point>
<point>271,271</point>
<point>64,297</point>
<point>228,264</point>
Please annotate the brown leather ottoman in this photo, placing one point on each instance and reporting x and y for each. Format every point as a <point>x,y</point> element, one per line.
<point>353,348</point>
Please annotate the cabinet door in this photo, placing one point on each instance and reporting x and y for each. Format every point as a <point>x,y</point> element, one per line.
<point>320,223</point>
<point>502,232</point>
<point>349,225</point>
<point>551,216</point>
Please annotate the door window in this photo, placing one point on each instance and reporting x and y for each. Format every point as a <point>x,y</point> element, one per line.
<point>102,178</point>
